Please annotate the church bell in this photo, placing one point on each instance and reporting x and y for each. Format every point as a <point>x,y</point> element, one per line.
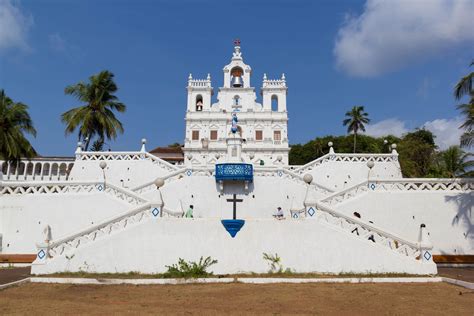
<point>236,82</point>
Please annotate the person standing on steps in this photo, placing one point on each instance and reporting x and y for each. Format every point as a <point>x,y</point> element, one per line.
<point>189,212</point>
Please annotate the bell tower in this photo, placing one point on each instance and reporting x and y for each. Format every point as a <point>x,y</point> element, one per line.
<point>237,74</point>
<point>274,94</point>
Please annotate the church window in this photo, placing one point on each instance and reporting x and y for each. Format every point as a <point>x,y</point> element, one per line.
<point>213,135</point>
<point>195,135</point>
<point>277,135</point>
<point>258,135</point>
<point>274,103</point>
<point>236,100</point>
<point>199,104</point>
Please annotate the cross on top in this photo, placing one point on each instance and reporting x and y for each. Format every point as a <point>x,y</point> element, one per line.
<point>237,42</point>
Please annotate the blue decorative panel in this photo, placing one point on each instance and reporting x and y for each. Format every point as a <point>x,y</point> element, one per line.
<point>295,215</point>
<point>311,211</point>
<point>41,254</point>
<point>99,187</point>
<point>155,211</point>
<point>427,255</point>
<point>234,171</point>
<point>372,186</point>
<point>280,173</point>
<point>233,226</point>
<point>189,173</point>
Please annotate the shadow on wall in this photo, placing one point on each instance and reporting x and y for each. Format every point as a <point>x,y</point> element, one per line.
<point>465,203</point>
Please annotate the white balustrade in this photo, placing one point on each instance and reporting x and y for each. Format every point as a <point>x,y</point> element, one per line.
<point>426,185</point>
<point>367,232</point>
<point>346,158</point>
<point>69,187</point>
<point>37,170</point>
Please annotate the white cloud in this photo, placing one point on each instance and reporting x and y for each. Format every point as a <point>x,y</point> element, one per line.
<point>447,131</point>
<point>391,34</point>
<point>392,126</point>
<point>14,26</point>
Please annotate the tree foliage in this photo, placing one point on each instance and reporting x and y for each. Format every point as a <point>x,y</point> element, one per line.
<point>418,154</point>
<point>15,122</point>
<point>95,115</point>
<point>465,88</point>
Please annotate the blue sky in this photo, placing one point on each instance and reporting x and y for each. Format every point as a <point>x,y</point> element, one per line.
<point>400,59</point>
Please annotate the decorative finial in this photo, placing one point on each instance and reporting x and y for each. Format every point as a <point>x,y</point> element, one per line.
<point>237,42</point>
<point>143,148</point>
<point>208,77</point>
<point>264,76</point>
<point>190,77</point>
<point>283,76</point>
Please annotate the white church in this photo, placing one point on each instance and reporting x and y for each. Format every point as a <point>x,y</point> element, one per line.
<point>263,126</point>
<point>114,212</point>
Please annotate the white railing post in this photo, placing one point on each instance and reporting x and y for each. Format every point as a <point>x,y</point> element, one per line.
<point>425,245</point>
<point>156,204</point>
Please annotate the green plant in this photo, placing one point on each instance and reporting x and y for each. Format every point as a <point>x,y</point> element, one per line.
<point>190,269</point>
<point>274,261</point>
<point>15,122</point>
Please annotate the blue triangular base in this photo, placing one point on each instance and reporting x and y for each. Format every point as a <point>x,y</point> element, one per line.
<point>233,226</point>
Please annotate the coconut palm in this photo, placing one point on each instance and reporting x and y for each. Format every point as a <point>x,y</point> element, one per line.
<point>95,116</point>
<point>356,118</point>
<point>14,123</point>
<point>465,88</point>
<point>454,161</point>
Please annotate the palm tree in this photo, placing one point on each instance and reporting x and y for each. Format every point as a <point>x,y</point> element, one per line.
<point>14,122</point>
<point>356,118</point>
<point>95,116</point>
<point>464,88</point>
<point>454,162</point>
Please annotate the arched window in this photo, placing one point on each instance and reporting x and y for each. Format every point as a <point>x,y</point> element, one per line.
<point>29,169</point>
<point>199,104</point>
<point>46,169</point>
<point>237,102</point>
<point>274,103</point>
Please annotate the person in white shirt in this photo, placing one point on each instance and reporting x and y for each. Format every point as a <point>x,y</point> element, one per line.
<point>279,213</point>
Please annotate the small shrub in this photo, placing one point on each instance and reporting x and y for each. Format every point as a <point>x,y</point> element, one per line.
<point>274,261</point>
<point>190,269</point>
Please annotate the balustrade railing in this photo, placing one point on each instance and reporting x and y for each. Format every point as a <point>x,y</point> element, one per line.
<point>366,232</point>
<point>407,184</point>
<point>69,187</point>
<point>44,169</point>
<point>346,158</point>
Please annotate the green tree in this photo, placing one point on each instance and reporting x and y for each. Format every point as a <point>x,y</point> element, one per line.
<point>452,162</point>
<point>464,88</point>
<point>14,123</point>
<point>356,118</point>
<point>95,116</point>
<point>417,153</point>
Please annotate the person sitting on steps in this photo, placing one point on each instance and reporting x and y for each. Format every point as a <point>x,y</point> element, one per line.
<point>279,214</point>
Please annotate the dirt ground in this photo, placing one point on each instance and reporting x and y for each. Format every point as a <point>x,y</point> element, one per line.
<point>235,298</point>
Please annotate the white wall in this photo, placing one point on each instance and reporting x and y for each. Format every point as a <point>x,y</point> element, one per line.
<point>304,246</point>
<point>448,216</point>
<point>132,172</point>
<point>342,175</point>
<point>261,201</point>
<point>24,217</point>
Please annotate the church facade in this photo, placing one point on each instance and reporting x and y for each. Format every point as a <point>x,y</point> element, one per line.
<point>262,126</point>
